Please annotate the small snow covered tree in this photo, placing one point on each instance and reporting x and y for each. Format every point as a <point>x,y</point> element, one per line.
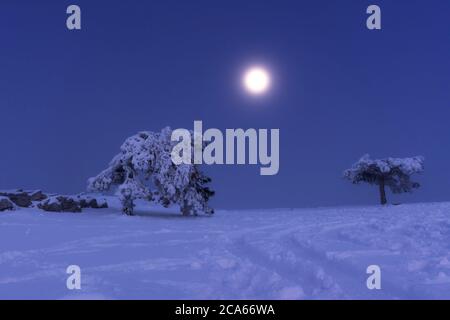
<point>144,170</point>
<point>394,173</point>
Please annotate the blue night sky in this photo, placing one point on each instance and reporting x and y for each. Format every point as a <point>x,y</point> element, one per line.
<point>68,99</point>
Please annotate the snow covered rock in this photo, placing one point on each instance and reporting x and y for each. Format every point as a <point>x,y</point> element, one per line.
<point>5,204</point>
<point>37,195</point>
<point>72,203</point>
<point>23,198</point>
<point>91,202</point>
<point>60,204</point>
<point>19,197</point>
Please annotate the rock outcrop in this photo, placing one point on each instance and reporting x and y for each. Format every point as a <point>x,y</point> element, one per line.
<point>6,204</point>
<point>54,203</point>
<point>60,204</point>
<point>71,203</point>
<point>23,198</point>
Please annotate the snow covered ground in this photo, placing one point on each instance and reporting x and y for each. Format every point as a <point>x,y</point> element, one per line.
<point>260,254</point>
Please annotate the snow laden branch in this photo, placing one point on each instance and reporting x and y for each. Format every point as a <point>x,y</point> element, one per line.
<point>394,173</point>
<point>144,170</point>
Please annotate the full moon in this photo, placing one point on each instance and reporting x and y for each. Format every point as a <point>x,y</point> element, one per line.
<point>256,80</point>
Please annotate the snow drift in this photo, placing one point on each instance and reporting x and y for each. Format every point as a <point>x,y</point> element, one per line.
<point>259,254</point>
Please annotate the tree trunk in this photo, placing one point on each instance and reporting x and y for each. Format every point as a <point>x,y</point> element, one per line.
<point>382,192</point>
<point>128,206</point>
<point>186,209</point>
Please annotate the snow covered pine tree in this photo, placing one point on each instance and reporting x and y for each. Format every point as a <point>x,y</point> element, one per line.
<point>392,172</point>
<point>144,170</point>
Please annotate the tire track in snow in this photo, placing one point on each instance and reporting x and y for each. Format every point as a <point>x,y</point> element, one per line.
<point>302,275</point>
<point>351,278</point>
